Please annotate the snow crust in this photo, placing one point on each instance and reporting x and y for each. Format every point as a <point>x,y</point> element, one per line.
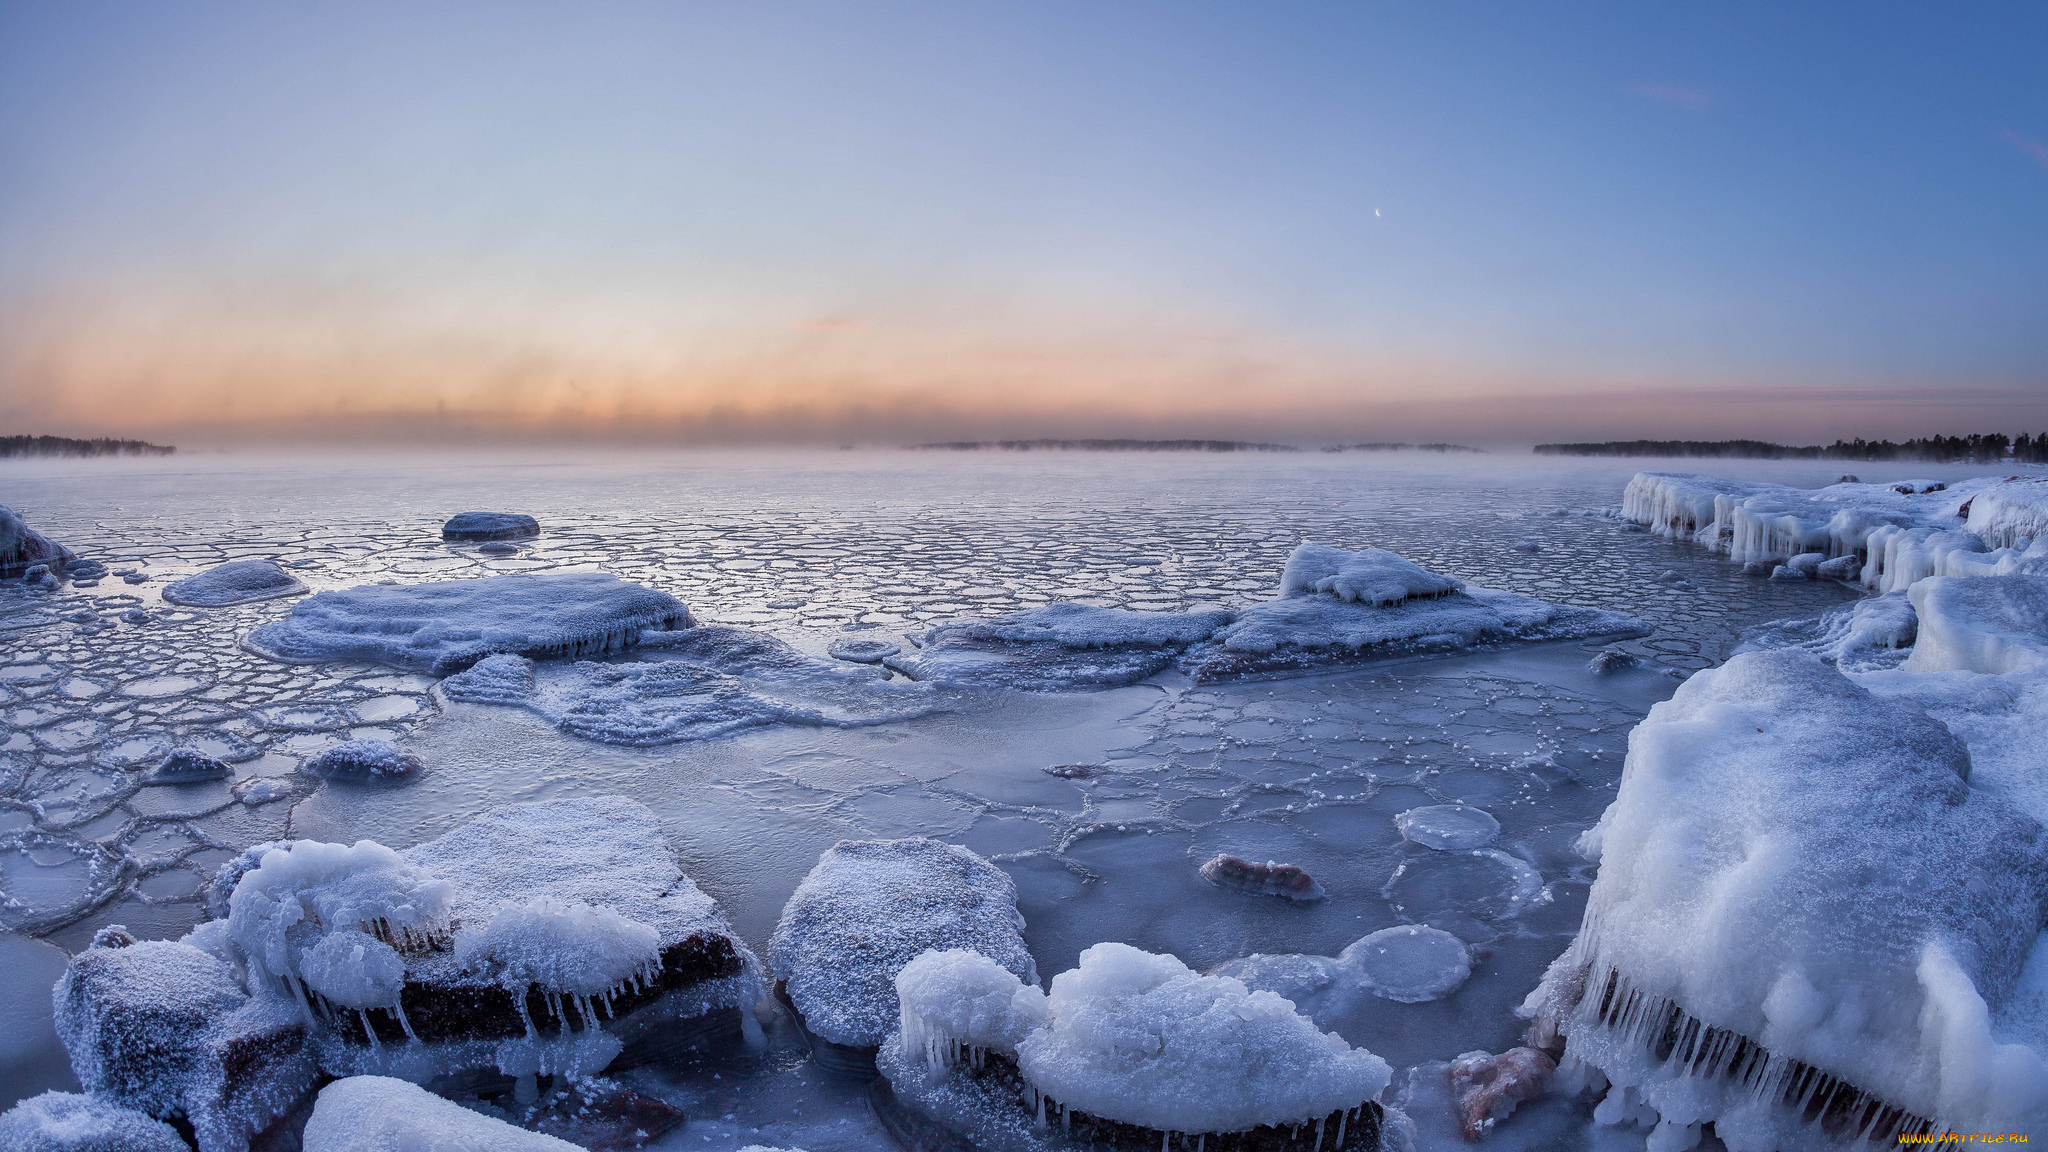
<point>445,627</point>
<point>868,909</point>
<point>1140,1038</point>
<point>1372,576</point>
<point>1060,647</point>
<point>69,1122</point>
<point>698,684</point>
<point>235,582</point>
<point>1795,860</point>
<point>382,1114</point>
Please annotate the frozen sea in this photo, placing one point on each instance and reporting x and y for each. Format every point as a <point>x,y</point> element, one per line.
<point>817,546</point>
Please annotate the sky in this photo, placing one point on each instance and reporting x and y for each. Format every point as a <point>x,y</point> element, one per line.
<point>893,222</point>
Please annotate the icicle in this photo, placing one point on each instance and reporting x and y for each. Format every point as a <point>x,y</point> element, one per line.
<point>1320,1121</point>
<point>1163,1138</point>
<point>364,1014</point>
<point>398,1010</point>
<point>1342,1118</point>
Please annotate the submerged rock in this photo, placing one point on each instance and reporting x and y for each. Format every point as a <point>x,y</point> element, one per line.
<point>235,582</point>
<point>490,526</point>
<point>867,909</point>
<point>1270,878</point>
<point>1486,1088</point>
<point>445,627</point>
<point>1608,661</point>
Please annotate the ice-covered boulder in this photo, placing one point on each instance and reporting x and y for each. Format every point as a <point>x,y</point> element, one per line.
<point>382,1114</point>
<point>1806,924</point>
<point>69,1122</point>
<point>1062,647</point>
<point>1133,1050</point>
<point>1331,614</point>
<point>866,910</point>
<point>364,761</point>
<point>1994,625</point>
<point>444,627</point>
<point>490,526</point>
<point>696,684</point>
<point>22,547</point>
<point>235,582</point>
<point>539,939</point>
<point>166,1029</point>
<point>2009,513</point>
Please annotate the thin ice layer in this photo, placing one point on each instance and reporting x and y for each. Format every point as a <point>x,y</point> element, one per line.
<point>69,1122</point>
<point>235,582</point>
<point>380,1114</point>
<point>1311,627</point>
<point>867,909</point>
<point>444,627</point>
<point>1139,1038</point>
<point>1060,647</point>
<point>1797,863</point>
<point>698,684</point>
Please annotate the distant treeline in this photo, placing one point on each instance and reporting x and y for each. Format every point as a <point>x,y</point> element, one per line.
<point>65,446</point>
<point>1107,446</point>
<point>1386,447</point>
<point>1977,449</point>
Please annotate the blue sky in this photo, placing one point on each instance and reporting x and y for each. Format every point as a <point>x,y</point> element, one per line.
<point>882,221</point>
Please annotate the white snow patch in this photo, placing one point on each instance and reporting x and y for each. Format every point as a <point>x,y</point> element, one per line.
<point>380,1114</point>
<point>957,1002</point>
<point>69,1122</point>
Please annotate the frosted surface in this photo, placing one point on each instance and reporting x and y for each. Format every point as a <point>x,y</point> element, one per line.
<point>235,582</point>
<point>97,683</point>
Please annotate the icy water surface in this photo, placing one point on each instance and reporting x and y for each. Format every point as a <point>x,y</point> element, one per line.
<point>1151,780</point>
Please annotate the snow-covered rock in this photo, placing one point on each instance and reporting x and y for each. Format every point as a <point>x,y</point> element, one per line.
<point>1331,612</point>
<point>536,939</point>
<point>69,1122</point>
<point>444,627</point>
<point>490,526</point>
<point>22,547</point>
<point>869,908</point>
<point>1804,909</point>
<point>1134,1048</point>
<point>1061,647</point>
<point>364,761</point>
<point>166,1029</point>
<point>382,1114</point>
<point>235,582</point>
<point>696,684</point>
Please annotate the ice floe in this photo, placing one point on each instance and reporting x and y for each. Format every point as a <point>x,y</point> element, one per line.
<point>1061,647</point>
<point>695,684</point>
<point>444,627</point>
<point>867,909</point>
<point>1448,827</point>
<point>235,582</point>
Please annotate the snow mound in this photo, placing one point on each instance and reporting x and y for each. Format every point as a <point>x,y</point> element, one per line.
<point>68,1122</point>
<point>1798,873</point>
<point>303,891</point>
<point>490,526</point>
<point>444,627</point>
<point>380,1114</point>
<point>1139,1038</point>
<point>364,761</point>
<point>1324,622</point>
<point>698,684</point>
<point>1372,576</point>
<point>2007,514</point>
<point>235,582</point>
<point>565,945</point>
<point>1447,827</point>
<point>957,1002</point>
<point>1996,625</point>
<point>1409,963</point>
<point>1268,879</point>
<point>869,908</point>
<point>22,547</point>
<point>1062,647</point>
